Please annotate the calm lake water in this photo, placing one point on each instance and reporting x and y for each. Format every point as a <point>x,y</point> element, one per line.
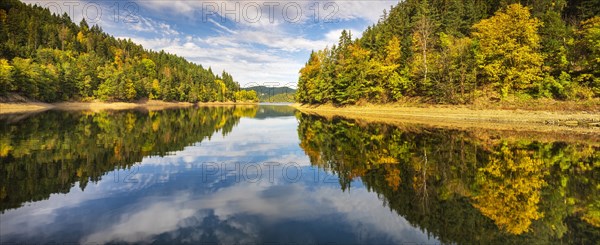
<point>269,174</point>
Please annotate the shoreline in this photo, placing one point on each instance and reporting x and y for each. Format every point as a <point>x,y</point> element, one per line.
<point>462,117</point>
<point>34,107</point>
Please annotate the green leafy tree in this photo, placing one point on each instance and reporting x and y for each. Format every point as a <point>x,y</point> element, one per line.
<point>423,48</point>
<point>589,54</point>
<point>26,76</point>
<point>458,71</point>
<point>6,79</point>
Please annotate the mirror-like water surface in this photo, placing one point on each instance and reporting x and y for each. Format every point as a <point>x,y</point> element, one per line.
<point>268,174</point>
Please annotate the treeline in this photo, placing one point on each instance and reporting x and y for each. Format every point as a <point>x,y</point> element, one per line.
<point>246,95</point>
<point>458,51</point>
<point>273,94</point>
<point>47,57</point>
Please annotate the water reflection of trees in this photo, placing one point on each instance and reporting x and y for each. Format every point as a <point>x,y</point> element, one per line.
<point>49,152</point>
<point>463,187</point>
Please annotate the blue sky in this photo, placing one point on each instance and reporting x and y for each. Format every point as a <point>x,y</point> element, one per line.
<point>258,42</point>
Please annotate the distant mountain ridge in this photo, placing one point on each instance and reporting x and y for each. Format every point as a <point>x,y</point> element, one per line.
<point>273,94</point>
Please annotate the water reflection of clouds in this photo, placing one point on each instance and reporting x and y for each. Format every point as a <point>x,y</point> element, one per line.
<point>170,201</point>
<point>240,213</point>
<point>251,141</point>
<point>240,208</point>
<point>262,142</point>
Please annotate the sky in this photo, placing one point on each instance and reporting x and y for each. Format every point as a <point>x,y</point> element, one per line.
<point>258,42</point>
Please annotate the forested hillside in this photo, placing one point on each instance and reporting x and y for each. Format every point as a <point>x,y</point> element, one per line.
<point>459,51</point>
<point>273,94</point>
<point>49,58</point>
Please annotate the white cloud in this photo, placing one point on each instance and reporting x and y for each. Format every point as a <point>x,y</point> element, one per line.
<point>243,54</point>
<point>222,26</point>
<point>260,13</point>
<point>142,24</point>
<point>369,10</point>
<point>247,64</point>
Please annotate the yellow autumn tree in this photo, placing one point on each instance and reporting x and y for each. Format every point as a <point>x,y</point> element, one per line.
<point>394,83</point>
<point>81,37</point>
<point>221,90</point>
<point>509,46</point>
<point>307,83</point>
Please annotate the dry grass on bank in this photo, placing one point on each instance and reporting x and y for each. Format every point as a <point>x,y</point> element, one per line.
<point>100,106</point>
<point>8,108</point>
<point>30,107</point>
<point>586,120</point>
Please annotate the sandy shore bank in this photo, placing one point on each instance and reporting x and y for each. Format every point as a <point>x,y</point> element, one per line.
<point>461,117</point>
<point>8,108</point>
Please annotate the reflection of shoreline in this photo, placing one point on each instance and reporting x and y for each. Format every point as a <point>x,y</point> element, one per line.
<point>31,107</point>
<point>462,118</point>
<point>49,152</point>
<point>500,187</point>
<point>482,134</point>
